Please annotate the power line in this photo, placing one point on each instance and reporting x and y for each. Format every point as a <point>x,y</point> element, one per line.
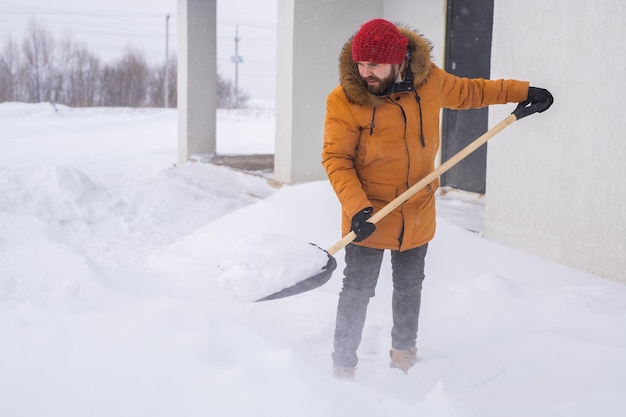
<point>124,14</point>
<point>246,24</point>
<point>84,13</point>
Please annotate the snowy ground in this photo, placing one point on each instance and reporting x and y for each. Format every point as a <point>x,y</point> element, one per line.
<point>119,292</point>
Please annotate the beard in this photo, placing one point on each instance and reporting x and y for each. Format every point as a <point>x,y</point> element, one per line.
<point>377,85</point>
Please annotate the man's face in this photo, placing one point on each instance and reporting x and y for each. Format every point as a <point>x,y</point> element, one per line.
<point>377,77</point>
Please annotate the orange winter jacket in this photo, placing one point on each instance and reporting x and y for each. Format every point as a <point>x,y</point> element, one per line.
<point>376,147</point>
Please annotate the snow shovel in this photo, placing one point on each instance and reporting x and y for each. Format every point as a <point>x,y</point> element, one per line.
<point>523,109</point>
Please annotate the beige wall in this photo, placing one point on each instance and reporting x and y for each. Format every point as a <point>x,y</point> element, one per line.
<point>555,181</point>
<point>427,17</point>
<point>310,37</point>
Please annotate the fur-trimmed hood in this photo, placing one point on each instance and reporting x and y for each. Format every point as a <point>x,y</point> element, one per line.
<point>357,92</point>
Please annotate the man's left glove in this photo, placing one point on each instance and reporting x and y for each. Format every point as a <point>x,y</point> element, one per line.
<point>361,226</point>
<point>539,98</point>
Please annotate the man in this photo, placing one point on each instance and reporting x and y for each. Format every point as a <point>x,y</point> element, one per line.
<point>381,136</point>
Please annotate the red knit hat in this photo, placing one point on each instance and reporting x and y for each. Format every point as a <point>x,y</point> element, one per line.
<point>379,41</point>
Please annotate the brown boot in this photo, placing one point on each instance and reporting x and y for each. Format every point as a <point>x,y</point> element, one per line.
<point>403,359</point>
<point>344,373</point>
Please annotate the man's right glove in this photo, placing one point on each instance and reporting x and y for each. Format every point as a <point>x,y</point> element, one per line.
<point>361,226</point>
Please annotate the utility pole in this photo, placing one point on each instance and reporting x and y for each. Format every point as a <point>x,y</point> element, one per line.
<point>167,66</point>
<point>236,59</point>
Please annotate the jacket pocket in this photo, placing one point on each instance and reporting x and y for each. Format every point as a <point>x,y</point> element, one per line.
<point>379,192</point>
<point>366,150</point>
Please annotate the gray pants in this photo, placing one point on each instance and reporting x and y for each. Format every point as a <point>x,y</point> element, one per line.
<point>359,284</point>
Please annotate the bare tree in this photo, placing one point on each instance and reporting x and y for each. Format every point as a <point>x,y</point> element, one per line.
<point>227,96</point>
<point>125,83</point>
<point>82,77</point>
<point>67,72</point>
<point>9,72</point>
<point>109,92</point>
<point>60,66</point>
<point>157,84</point>
<point>173,81</point>
<point>38,65</point>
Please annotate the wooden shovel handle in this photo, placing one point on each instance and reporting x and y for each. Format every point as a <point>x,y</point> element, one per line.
<point>395,203</point>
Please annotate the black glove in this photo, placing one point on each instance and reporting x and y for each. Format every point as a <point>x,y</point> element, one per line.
<point>361,226</point>
<point>539,100</point>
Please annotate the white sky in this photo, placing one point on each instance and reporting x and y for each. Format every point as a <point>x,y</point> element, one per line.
<point>108,28</point>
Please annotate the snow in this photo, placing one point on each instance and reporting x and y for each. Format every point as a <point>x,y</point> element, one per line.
<point>125,284</point>
<point>256,268</point>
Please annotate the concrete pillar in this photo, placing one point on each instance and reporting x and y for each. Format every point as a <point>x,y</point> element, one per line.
<point>197,79</point>
<point>310,37</point>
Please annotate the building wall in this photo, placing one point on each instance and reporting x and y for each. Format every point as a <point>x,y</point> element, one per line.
<point>310,37</point>
<point>426,17</point>
<point>555,180</point>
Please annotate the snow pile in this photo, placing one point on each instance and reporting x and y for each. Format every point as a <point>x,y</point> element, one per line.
<point>256,268</point>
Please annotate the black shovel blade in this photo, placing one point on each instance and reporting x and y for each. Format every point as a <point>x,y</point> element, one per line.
<point>306,284</point>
